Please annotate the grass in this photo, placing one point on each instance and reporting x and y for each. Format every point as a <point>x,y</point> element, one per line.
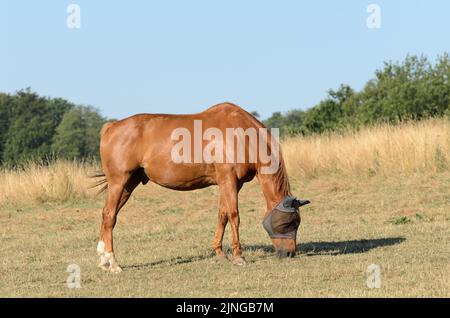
<point>380,150</point>
<point>35,183</point>
<point>400,220</point>
<point>397,218</point>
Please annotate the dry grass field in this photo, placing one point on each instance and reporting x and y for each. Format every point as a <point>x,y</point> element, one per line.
<point>379,196</point>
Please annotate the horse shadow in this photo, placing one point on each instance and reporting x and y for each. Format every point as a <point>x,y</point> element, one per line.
<point>305,249</point>
<point>335,248</point>
<point>168,262</point>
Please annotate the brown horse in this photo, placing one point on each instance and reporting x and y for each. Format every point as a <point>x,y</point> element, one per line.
<point>141,148</point>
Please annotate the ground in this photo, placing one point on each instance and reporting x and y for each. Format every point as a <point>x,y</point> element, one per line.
<point>163,241</point>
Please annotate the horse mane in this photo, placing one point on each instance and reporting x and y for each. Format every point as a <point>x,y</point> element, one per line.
<point>278,180</point>
<point>281,178</point>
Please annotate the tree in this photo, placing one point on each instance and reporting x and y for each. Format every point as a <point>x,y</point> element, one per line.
<point>38,128</point>
<point>414,89</point>
<point>331,113</point>
<point>32,124</point>
<point>77,136</point>
<point>277,120</point>
<point>69,138</point>
<point>4,121</point>
<point>255,113</point>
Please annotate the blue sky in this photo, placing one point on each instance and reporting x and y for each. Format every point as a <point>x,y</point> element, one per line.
<point>183,56</point>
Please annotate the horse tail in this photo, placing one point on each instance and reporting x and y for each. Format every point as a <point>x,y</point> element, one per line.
<point>105,128</point>
<point>100,173</point>
<point>102,181</point>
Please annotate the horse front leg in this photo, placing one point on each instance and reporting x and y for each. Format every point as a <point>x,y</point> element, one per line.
<point>233,216</point>
<point>229,204</point>
<point>218,236</point>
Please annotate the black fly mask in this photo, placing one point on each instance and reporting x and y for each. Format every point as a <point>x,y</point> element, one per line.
<point>284,220</point>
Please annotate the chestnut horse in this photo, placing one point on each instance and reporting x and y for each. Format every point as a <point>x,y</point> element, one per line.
<point>139,149</point>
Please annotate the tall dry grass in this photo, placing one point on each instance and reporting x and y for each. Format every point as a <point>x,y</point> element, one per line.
<point>381,150</point>
<point>37,183</point>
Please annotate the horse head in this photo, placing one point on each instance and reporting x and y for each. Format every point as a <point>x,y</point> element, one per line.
<point>282,224</point>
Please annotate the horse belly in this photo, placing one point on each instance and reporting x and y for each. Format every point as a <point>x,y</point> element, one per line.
<point>182,177</point>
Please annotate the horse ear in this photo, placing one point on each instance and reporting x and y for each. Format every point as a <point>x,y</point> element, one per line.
<point>298,203</point>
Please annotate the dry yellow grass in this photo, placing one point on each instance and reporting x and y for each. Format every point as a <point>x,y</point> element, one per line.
<point>36,183</point>
<point>163,241</point>
<point>386,149</point>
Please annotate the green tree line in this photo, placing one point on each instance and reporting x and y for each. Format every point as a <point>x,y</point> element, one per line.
<point>35,128</point>
<point>411,90</point>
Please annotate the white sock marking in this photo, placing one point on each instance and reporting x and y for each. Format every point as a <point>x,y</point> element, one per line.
<point>101,247</point>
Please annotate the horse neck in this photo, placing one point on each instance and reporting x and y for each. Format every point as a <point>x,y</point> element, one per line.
<point>274,186</point>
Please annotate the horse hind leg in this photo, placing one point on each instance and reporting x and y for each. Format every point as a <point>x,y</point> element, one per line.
<point>136,178</point>
<point>105,244</point>
<point>117,197</point>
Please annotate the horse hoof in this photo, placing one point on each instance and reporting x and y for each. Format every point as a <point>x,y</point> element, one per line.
<point>239,261</point>
<point>115,269</point>
<point>221,258</point>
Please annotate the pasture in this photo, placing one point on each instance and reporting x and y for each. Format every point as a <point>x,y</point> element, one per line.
<point>379,196</point>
